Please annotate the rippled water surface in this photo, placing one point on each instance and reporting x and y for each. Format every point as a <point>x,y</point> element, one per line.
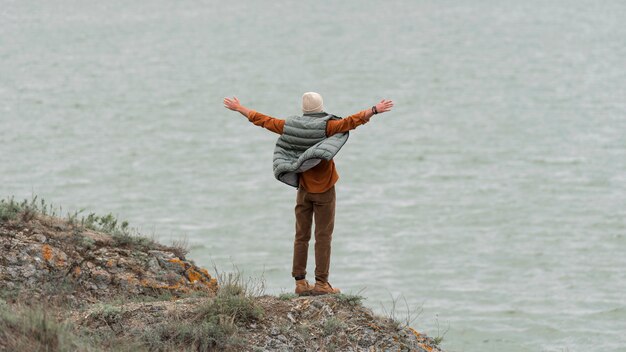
<point>493,196</point>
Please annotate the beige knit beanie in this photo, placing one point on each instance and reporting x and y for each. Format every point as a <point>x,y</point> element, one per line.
<point>312,102</point>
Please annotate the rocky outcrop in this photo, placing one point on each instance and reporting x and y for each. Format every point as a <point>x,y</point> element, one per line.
<point>90,285</point>
<point>304,324</point>
<point>54,257</point>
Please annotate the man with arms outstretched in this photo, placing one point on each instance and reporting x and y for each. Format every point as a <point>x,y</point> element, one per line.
<point>303,159</point>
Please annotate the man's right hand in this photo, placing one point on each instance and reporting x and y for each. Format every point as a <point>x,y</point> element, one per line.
<point>234,105</point>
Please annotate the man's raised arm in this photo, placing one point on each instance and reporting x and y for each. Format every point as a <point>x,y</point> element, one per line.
<point>353,121</point>
<point>273,124</point>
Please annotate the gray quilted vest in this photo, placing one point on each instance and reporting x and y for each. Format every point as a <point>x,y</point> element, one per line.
<point>303,145</point>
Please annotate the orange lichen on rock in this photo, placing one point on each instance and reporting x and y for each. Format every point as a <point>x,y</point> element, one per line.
<point>152,284</point>
<point>46,251</point>
<point>76,271</point>
<point>110,263</point>
<point>194,275</point>
<point>202,277</point>
<point>177,261</point>
<point>374,326</point>
<point>417,334</point>
<point>425,346</point>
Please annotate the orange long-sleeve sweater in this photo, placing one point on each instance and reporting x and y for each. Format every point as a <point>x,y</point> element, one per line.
<point>324,175</point>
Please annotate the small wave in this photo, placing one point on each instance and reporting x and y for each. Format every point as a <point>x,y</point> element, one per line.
<point>559,161</point>
<point>612,312</point>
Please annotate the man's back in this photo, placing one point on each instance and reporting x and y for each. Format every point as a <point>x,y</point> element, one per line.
<point>320,178</point>
<point>324,175</point>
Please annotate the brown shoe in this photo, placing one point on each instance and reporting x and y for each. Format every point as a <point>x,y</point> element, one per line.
<point>323,288</point>
<point>303,287</point>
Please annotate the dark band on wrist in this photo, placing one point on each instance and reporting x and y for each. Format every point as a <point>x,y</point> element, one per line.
<point>374,110</point>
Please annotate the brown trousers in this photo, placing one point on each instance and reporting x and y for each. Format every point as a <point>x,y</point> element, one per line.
<point>322,206</point>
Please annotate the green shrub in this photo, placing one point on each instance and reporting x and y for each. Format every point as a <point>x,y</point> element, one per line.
<point>196,336</point>
<point>241,308</point>
<point>350,299</point>
<point>331,325</point>
<point>9,294</point>
<point>8,209</point>
<point>215,324</point>
<point>120,231</point>
<point>122,234</point>
<point>287,296</point>
<point>33,329</point>
<point>26,209</point>
<point>108,313</point>
<point>220,317</point>
<point>234,298</point>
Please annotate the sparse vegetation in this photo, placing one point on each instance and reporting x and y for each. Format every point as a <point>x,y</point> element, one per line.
<point>215,324</point>
<point>26,210</point>
<point>108,313</point>
<point>238,306</point>
<point>120,231</point>
<point>331,325</point>
<point>204,335</point>
<point>87,242</point>
<point>304,331</point>
<point>217,321</point>
<point>180,246</point>
<point>11,209</point>
<point>9,294</point>
<point>394,317</point>
<point>439,338</point>
<point>350,299</point>
<point>234,299</point>
<point>284,328</point>
<point>286,296</point>
<point>34,329</point>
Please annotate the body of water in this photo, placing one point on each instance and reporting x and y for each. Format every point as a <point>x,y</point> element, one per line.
<point>493,196</point>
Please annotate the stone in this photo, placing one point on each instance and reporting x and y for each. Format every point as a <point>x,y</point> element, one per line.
<point>153,265</point>
<point>28,271</point>
<point>317,304</point>
<point>101,277</point>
